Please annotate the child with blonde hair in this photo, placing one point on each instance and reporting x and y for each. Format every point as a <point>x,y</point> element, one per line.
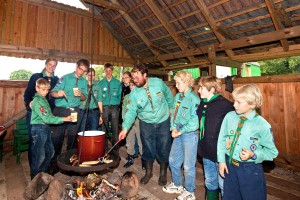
<point>245,141</point>
<point>42,150</point>
<point>184,127</point>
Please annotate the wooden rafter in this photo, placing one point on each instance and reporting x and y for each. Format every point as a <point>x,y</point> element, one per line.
<point>276,22</point>
<point>294,50</point>
<point>117,36</point>
<point>241,42</point>
<point>168,27</point>
<point>282,14</point>
<point>212,23</point>
<point>139,32</point>
<point>106,4</point>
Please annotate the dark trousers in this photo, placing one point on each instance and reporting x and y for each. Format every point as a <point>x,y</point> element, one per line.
<point>58,132</point>
<point>89,119</point>
<point>244,182</point>
<point>111,114</point>
<point>28,119</point>
<point>156,141</point>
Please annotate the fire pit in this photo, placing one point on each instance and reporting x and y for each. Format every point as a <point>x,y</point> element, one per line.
<point>63,162</point>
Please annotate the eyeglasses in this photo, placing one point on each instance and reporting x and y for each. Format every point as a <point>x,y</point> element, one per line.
<point>84,71</point>
<point>136,75</point>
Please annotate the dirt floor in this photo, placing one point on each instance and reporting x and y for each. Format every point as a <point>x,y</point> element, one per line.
<point>281,184</point>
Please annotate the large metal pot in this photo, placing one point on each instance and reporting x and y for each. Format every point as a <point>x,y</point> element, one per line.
<point>91,145</point>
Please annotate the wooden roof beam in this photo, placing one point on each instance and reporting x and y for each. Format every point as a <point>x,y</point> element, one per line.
<point>163,20</point>
<point>276,22</point>
<point>106,4</point>
<point>187,66</point>
<point>209,18</point>
<point>232,44</point>
<point>294,50</point>
<point>281,13</point>
<point>139,32</point>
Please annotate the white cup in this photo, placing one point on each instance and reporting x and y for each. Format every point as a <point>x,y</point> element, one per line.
<point>76,91</point>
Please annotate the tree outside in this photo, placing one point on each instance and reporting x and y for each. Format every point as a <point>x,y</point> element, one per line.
<point>99,69</point>
<point>280,66</point>
<point>21,74</point>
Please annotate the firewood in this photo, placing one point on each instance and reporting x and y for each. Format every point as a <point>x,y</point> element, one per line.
<point>55,190</point>
<point>38,185</point>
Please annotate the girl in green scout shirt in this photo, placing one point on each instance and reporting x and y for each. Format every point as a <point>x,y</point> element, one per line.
<point>211,112</point>
<point>184,127</point>
<point>245,141</point>
<point>42,150</point>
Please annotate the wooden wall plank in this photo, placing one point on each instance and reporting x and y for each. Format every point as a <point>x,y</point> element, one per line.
<point>16,39</point>
<point>24,23</point>
<point>2,17</point>
<point>31,32</point>
<point>6,21</point>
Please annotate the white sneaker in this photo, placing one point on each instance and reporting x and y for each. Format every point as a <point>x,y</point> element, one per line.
<point>185,195</point>
<point>171,188</point>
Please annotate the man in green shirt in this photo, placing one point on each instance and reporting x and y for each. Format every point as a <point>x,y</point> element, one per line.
<point>111,97</point>
<point>151,101</point>
<point>69,91</point>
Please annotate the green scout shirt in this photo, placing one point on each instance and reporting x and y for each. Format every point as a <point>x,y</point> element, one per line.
<point>124,105</point>
<point>94,100</point>
<point>139,104</point>
<point>186,117</point>
<point>256,135</point>
<point>41,112</point>
<point>111,91</point>
<point>67,83</point>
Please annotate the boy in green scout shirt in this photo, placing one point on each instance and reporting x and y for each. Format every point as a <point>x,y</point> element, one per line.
<point>69,91</point>
<point>245,141</point>
<point>111,97</point>
<point>91,114</point>
<point>184,127</point>
<point>42,150</point>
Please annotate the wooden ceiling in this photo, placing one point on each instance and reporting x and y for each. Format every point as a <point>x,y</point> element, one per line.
<point>174,34</point>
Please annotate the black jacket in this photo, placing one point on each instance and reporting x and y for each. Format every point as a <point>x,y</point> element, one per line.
<point>215,113</point>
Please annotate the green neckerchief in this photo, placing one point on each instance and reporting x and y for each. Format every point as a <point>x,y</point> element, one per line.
<point>237,135</point>
<point>202,120</point>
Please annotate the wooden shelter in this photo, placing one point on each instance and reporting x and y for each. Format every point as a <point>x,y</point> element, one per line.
<point>165,35</point>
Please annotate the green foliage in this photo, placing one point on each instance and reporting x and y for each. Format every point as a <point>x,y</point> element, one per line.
<point>21,74</point>
<point>117,70</point>
<point>280,66</point>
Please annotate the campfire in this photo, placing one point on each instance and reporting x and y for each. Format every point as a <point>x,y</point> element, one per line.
<point>97,187</point>
<point>91,187</point>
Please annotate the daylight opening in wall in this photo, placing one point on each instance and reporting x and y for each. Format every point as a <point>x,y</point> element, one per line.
<point>73,3</point>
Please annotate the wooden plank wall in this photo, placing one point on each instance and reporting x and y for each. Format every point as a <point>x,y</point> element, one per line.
<point>11,103</point>
<point>281,108</point>
<point>34,30</point>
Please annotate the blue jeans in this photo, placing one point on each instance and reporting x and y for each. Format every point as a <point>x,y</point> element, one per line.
<point>213,180</point>
<point>90,120</point>
<point>156,141</point>
<point>184,151</point>
<point>41,150</point>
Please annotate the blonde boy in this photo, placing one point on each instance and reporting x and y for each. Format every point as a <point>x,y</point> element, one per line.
<point>245,141</point>
<point>41,148</point>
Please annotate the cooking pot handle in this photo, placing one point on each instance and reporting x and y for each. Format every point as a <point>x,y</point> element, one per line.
<point>98,141</point>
